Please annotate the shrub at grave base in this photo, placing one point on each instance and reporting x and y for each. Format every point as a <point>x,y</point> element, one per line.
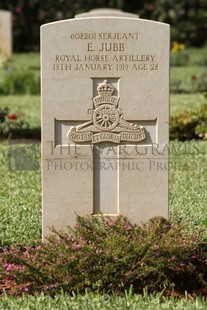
<point>189,124</point>
<point>108,255</point>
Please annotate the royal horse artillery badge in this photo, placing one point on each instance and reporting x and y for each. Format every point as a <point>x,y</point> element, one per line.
<point>107,123</point>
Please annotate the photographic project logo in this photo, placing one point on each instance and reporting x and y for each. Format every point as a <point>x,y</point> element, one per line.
<point>24,157</point>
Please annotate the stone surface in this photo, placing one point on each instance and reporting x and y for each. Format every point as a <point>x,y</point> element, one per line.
<point>105,102</point>
<point>6,33</point>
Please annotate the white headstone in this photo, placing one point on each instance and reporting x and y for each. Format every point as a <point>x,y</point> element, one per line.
<point>6,33</point>
<point>105,105</point>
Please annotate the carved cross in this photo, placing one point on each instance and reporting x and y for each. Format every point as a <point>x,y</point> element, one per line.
<point>107,131</point>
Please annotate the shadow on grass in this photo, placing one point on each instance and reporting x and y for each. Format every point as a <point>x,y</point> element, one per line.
<point>23,133</point>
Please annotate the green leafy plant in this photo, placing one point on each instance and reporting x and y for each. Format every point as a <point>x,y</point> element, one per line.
<point>3,61</point>
<point>202,61</point>
<point>189,124</point>
<point>179,56</point>
<point>199,83</point>
<point>108,255</point>
<point>175,86</point>
<point>10,123</point>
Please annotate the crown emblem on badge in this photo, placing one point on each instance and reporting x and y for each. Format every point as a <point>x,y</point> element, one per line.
<point>105,89</point>
<point>105,95</point>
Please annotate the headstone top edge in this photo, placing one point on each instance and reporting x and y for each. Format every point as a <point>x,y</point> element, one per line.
<point>106,12</point>
<point>5,11</point>
<point>2,10</point>
<point>107,16</point>
<point>104,17</point>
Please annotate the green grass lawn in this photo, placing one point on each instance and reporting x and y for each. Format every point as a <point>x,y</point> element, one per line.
<point>197,56</point>
<point>188,175</point>
<point>102,302</point>
<point>20,201</point>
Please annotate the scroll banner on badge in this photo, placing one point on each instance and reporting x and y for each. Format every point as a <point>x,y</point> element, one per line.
<point>107,137</point>
<point>80,136</point>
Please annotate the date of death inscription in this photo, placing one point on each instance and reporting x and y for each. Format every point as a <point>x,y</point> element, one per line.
<point>91,62</point>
